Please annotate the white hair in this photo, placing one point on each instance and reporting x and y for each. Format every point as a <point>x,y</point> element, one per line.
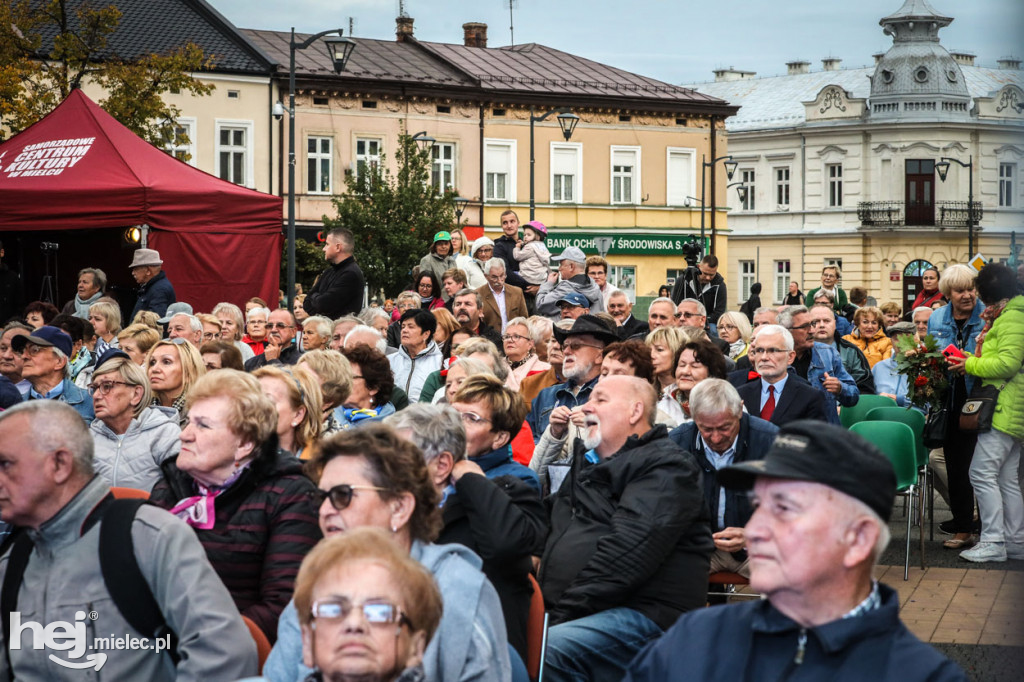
<point>494,263</point>
<point>921,309</point>
<point>379,343</point>
<point>258,310</point>
<point>194,323</point>
<point>713,397</point>
<point>787,337</point>
<point>323,325</point>
<point>663,299</point>
<point>701,310</point>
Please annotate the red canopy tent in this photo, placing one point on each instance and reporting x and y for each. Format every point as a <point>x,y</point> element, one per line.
<point>79,168</point>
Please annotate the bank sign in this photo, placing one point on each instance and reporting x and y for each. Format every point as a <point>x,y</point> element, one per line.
<point>643,244</point>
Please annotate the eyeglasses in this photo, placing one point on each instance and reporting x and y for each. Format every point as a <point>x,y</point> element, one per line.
<point>728,327</point>
<point>33,350</point>
<point>754,352</point>
<point>573,346</point>
<point>514,337</point>
<point>279,325</point>
<point>473,418</point>
<point>805,325</point>
<point>105,387</point>
<point>340,495</point>
<point>374,612</point>
<point>209,336</point>
<point>257,323</point>
<point>689,315</point>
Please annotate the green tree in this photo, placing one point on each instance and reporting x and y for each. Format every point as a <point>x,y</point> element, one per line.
<point>393,216</point>
<point>309,262</point>
<point>33,83</point>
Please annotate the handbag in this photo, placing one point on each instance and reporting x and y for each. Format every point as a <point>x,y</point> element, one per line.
<point>934,435</point>
<point>976,414</point>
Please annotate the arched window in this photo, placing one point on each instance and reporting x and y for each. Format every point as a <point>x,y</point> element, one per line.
<point>916,268</point>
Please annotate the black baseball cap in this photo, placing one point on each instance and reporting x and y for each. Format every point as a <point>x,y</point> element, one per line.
<point>813,451</point>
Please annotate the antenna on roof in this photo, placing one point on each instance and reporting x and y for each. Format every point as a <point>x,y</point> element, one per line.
<point>511,21</point>
<point>401,8</point>
<point>351,26</point>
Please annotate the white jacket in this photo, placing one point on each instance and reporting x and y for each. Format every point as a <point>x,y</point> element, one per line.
<point>410,373</point>
<point>133,461</point>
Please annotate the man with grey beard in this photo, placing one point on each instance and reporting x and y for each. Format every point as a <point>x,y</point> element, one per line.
<point>630,537</point>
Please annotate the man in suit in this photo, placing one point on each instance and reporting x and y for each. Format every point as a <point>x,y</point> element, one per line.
<point>501,302</point>
<point>622,310</point>
<point>778,396</point>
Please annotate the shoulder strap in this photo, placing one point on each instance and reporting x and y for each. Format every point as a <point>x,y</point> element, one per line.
<point>124,579</point>
<point>16,563</point>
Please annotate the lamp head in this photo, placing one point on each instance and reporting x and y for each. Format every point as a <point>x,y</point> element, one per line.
<point>942,168</point>
<point>567,122</point>
<point>339,49</point>
<point>730,168</point>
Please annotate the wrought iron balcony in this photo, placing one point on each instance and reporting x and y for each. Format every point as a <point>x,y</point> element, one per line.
<point>893,213</point>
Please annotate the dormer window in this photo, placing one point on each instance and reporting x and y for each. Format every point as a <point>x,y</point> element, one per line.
<point>951,75</point>
<point>887,76</point>
<point>921,74</point>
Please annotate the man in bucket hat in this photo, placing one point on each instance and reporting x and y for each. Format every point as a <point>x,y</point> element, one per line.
<point>155,290</point>
<point>822,500</point>
<point>46,353</point>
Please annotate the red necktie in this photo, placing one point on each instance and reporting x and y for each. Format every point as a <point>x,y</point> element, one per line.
<point>769,405</point>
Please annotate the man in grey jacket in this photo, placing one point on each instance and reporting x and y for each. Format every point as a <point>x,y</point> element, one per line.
<point>571,277</point>
<point>47,488</point>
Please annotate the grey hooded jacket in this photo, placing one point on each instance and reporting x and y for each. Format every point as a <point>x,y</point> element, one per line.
<point>549,294</point>
<point>470,644</point>
<point>63,579</point>
<point>133,461</point>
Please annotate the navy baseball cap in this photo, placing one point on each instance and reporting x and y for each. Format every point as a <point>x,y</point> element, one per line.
<point>812,451</point>
<point>574,298</point>
<point>44,336</point>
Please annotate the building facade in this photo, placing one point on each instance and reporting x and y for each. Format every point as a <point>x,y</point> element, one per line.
<point>843,165</point>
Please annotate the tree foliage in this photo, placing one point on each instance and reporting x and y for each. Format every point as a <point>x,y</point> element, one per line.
<point>393,216</point>
<point>309,262</point>
<point>33,82</point>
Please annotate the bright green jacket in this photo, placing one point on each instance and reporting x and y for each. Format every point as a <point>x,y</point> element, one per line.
<point>1002,357</point>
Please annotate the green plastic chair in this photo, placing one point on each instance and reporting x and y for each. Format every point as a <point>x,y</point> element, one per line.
<point>896,441</point>
<point>849,416</point>
<point>915,420</point>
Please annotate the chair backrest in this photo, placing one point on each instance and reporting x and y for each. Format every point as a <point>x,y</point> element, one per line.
<point>896,441</point>
<point>849,416</point>
<point>129,493</point>
<point>912,418</point>
<point>262,643</point>
<point>535,630</point>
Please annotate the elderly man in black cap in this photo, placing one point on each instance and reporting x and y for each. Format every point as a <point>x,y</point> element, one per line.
<point>155,290</point>
<point>822,497</point>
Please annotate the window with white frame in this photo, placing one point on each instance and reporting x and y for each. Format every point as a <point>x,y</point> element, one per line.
<point>781,187</point>
<point>442,172</point>
<point>367,154</point>
<point>184,151</point>
<point>747,176</point>
<point>781,280</point>
<point>680,175</point>
<point>835,184</point>
<point>748,275</point>
<point>1007,179</point>
<point>319,164</point>
<point>499,170</point>
<point>234,158</point>
<point>624,277</point>
<point>837,262</point>
<point>566,171</point>
<point>625,175</point>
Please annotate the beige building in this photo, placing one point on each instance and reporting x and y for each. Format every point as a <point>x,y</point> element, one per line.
<point>629,172</point>
<point>842,164</point>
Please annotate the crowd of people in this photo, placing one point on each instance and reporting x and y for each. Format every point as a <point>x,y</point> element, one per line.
<point>377,490</point>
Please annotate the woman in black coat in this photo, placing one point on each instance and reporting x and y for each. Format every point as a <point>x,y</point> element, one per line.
<point>752,303</point>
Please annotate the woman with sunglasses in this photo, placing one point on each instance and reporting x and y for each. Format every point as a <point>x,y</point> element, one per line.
<point>367,610</point>
<point>247,500</point>
<point>373,477</point>
<point>132,438</point>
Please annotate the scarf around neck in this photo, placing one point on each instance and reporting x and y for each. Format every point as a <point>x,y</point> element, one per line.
<point>82,307</point>
<point>989,315</point>
<point>198,510</point>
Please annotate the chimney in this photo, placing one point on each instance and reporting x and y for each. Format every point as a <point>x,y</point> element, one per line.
<point>731,74</point>
<point>831,63</point>
<point>962,58</point>
<point>878,57</point>
<point>474,34</point>
<point>798,67</point>
<point>403,28</point>
<point>1009,63</point>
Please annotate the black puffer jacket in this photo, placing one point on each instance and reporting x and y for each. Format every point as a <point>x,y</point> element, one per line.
<point>630,531</point>
<point>265,525</point>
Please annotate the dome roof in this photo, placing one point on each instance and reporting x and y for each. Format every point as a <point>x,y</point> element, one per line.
<point>917,74</point>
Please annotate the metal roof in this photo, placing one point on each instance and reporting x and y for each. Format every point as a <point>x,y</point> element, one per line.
<point>777,101</point>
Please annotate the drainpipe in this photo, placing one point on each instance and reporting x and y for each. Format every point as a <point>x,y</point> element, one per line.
<point>481,165</point>
<point>714,195</point>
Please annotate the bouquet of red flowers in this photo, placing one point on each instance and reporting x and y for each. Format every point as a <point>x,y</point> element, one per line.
<point>925,369</point>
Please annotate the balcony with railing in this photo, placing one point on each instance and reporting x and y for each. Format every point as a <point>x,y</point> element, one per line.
<point>894,214</point>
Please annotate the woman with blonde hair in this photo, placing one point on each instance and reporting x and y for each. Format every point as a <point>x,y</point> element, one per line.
<point>869,335</point>
<point>734,329</point>
<point>296,395</point>
<point>446,325</point>
<point>665,343</point>
<point>148,318</point>
<point>211,326</point>
<point>106,322</point>
<point>247,500</point>
<point>173,366</point>
<point>136,340</point>
<point>132,437</point>
<point>334,373</point>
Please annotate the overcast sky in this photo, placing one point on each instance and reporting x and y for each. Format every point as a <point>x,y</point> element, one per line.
<point>678,41</point>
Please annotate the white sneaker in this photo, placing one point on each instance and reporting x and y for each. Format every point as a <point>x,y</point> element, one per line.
<point>985,551</point>
<point>1014,550</point>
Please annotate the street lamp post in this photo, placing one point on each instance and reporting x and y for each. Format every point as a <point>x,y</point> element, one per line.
<point>460,205</point>
<point>339,49</point>
<point>730,169</point>
<point>942,168</point>
<point>567,122</point>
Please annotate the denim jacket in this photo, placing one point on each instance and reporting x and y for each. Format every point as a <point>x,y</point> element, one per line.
<point>943,329</point>
<point>550,398</point>
<point>826,359</point>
